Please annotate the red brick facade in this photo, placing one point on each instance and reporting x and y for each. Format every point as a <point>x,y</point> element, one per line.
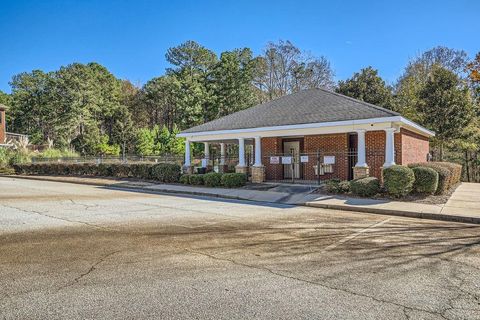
<point>409,147</point>
<point>2,126</point>
<point>414,147</point>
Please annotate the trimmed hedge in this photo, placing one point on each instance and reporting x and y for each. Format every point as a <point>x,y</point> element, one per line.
<point>166,172</point>
<point>163,172</point>
<point>212,179</point>
<point>185,179</point>
<point>234,180</point>
<point>426,180</point>
<point>196,179</point>
<point>365,187</point>
<point>446,179</point>
<point>337,186</point>
<point>398,180</point>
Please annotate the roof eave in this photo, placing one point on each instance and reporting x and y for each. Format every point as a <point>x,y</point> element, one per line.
<point>397,119</point>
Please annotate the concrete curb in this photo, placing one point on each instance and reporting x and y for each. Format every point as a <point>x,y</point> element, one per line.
<point>391,212</point>
<point>400,213</point>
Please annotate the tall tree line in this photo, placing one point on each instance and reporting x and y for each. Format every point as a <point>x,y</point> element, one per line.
<point>85,107</point>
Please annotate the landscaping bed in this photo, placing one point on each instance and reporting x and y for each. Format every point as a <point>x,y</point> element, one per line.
<point>428,183</point>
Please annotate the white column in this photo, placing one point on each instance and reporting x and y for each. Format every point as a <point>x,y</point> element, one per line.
<point>389,147</point>
<point>222,154</point>
<point>241,152</point>
<point>258,152</point>
<point>206,153</point>
<point>188,161</point>
<point>361,158</point>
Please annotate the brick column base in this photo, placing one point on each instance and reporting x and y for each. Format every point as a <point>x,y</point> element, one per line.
<point>240,169</point>
<point>360,172</point>
<point>258,174</point>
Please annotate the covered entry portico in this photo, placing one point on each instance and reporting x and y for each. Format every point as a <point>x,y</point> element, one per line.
<point>330,138</point>
<point>310,122</point>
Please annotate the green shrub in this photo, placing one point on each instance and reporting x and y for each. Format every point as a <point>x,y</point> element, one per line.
<point>166,172</point>
<point>140,170</point>
<point>196,179</point>
<point>185,179</point>
<point>57,153</point>
<point>337,186</point>
<point>426,180</point>
<point>398,180</point>
<point>444,175</point>
<point>120,170</point>
<point>213,179</point>
<point>234,180</point>
<point>365,187</point>
<point>455,171</point>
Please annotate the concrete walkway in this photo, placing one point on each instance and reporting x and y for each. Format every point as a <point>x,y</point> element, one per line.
<point>463,205</point>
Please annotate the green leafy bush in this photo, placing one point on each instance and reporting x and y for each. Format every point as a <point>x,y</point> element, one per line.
<point>166,172</point>
<point>185,179</point>
<point>57,153</point>
<point>120,170</point>
<point>196,179</point>
<point>455,171</point>
<point>444,175</point>
<point>365,187</point>
<point>426,180</point>
<point>398,180</point>
<point>140,170</point>
<point>212,179</point>
<point>234,180</point>
<point>337,186</point>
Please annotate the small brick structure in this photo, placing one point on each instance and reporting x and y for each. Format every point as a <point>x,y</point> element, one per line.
<point>3,128</point>
<point>315,134</point>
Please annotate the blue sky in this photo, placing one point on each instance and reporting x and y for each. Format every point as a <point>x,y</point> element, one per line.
<point>130,38</point>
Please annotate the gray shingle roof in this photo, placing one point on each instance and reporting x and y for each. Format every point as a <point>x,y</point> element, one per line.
<point>308,106</point>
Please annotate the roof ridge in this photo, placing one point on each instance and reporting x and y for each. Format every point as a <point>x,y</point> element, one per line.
<point>359,101</point>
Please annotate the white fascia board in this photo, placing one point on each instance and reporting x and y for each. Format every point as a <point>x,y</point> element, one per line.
<point>305,129</point>
<point>417,127</point>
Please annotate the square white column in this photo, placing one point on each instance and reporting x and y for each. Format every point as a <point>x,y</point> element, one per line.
<point>361,153</point>
<point>241,152</point>
<point>206,153</point>
<point>389,147</point>
<point>222,154</point>
<point>187,154</point>
<point>258,152</point>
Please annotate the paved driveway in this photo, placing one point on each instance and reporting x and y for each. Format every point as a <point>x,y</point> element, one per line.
<point>81,252</point>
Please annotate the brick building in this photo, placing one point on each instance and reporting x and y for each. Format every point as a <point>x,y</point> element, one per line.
<point>3,128</point>
<point>314,134</point>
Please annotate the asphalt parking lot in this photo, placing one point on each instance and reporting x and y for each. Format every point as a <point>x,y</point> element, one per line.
<point>82,252</point>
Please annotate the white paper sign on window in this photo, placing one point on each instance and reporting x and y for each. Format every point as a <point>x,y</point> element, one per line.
<point>274,160</point>
<point>303,158</point>
<point>286,160</point>
<point>329,159</point>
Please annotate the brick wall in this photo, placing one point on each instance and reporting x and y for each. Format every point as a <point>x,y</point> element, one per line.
<point>414,147</point>
<point>2,126</point>
<point>336,145</point>
<point>409,147</point>
<point>271,146</point>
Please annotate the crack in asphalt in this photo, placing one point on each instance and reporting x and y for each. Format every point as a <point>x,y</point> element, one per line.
<point>276,273</point>
<point>43,214</point>
<point>90,270</point>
